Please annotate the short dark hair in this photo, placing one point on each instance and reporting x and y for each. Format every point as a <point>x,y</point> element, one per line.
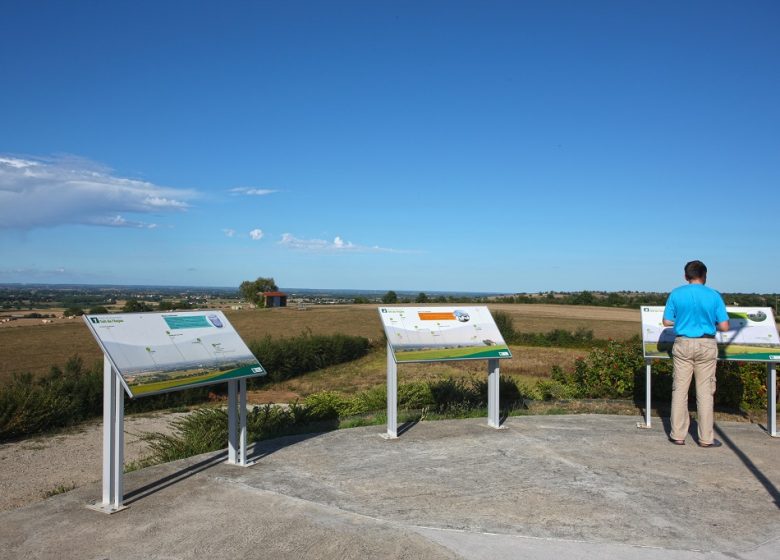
<point>695,270</point>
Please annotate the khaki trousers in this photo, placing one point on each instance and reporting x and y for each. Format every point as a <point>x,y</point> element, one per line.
<point>694,357</point>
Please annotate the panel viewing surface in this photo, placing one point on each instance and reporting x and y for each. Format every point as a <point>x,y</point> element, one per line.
<point>752,335</point>
<point>433,334</point>
<point>161,352</point>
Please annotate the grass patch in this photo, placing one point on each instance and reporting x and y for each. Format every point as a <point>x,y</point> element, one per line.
<point>60,489</point>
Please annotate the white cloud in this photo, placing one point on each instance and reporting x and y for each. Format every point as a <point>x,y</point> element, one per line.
<point>229,232</point>
<point>253,191</point>
<point>338,245</point>
<point>121,221</point>
<point>26,273</point>
<point>46,192</point>
<point>256,234</point>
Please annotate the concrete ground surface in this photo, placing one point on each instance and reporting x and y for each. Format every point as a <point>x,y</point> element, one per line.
<point>546,487</point>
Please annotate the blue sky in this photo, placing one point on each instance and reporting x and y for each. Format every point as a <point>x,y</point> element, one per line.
<point>467,146</point>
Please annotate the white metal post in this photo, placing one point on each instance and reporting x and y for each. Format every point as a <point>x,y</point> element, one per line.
<point>109,395</point>
<point>493,396</point>
<point>119,444</point>
<point>232,431</point>
<point>648,391</point>
<point>242,418</point>
<point>771,395</point>
<point>648,395</point>
<point>392,395</point>
<point>113,441</point>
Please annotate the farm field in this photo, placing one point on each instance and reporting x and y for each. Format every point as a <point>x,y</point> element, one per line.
<point>34,348</point>
<point>528,364</point>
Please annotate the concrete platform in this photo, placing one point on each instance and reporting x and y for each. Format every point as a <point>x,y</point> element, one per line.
<point>547,487</point>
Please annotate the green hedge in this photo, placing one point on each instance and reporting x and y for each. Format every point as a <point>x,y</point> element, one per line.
<point>617,371</point>
<point>560,338</point>
<point>287,357</point>
<point>75,393</point>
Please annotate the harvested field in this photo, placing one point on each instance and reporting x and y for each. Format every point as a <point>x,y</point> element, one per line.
<point>36,347</point>
<point>527,365</point>
<point>605,322</point>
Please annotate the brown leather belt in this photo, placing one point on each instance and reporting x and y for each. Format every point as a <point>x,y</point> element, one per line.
<point>696,337</point>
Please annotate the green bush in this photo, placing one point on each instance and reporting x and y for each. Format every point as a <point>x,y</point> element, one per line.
<point>550,389</point>
<point>67,396</point>
<point>206,430</point>
<point>329,405</point>
<point>505,325</point>
<point>741,385</point>
<point>581,338</point>
<point>609,372</point>
<point>374,399</point>
<point>75,393</point>
<point>455,393</point>
<point>61,398</point>
<point>287,357</point>
<point>618,371</point>
<point>413,396</point>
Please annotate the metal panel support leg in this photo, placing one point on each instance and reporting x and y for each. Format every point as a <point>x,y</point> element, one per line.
<point>493,394</point>
<point>648,395</point>
<point>392,395</point>
<point>242,425</point>
<point>113,442</point>
<point>237,435</point>
<point>232,422</point>
<point>119,445</point>
<point>771,395</point>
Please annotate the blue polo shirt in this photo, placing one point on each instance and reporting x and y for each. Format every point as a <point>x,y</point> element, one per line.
<point>695,310</point>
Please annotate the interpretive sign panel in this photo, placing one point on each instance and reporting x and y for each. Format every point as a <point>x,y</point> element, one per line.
<point>435,334</point>
<point>752,335</point>
<point>161,352</point>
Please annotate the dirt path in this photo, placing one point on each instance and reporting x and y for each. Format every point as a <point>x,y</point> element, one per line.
<point>31,468</point>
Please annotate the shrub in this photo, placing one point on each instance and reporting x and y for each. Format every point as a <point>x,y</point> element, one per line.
<point>505,325</point>
<point>741,385</point>
<point>75,393</point>
<point>617,371</point>
<point>555,390</point>
<point>328,405</point>
<point>456,393</point>
<point>206,430</point>
<point>560,338</point>
<point>608,372</point>
<point>413,395</point>
<point>374,399</point>
<point>61,398</point>
<point>287,357</point>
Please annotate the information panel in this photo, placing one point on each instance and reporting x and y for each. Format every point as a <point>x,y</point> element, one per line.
<point>161,352</point>
<point>434,334</point>
<point>752,335</point>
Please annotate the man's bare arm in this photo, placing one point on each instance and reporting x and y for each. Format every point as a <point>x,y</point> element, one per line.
<point>668,323</point>
<point>723,326</point>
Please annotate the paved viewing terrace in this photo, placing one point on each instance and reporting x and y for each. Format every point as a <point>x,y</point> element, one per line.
<point>574,486</point>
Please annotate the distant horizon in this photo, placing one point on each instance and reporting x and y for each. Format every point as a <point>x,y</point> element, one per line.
<point>336,290</point>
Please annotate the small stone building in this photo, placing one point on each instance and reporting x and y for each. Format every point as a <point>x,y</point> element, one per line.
<point>275,299</point>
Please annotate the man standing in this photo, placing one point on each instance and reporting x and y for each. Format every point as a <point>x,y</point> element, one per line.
<point>695,311</point>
